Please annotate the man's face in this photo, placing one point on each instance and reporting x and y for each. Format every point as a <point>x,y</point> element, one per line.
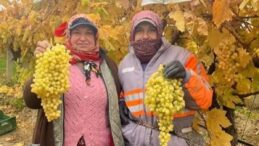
<point>83,38</point>
<point>145,31</point>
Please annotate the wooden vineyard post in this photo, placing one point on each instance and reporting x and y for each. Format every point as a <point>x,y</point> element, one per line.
<point>9,65</point>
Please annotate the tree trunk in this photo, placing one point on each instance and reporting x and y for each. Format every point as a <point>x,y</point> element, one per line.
<point>9,65</point>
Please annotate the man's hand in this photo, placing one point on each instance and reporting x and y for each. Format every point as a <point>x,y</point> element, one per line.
<point>174,70</point>
<point>41,47</point>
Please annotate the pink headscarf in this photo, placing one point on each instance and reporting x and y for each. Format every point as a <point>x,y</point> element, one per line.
<point>148,16</point>
<point>63,30</point>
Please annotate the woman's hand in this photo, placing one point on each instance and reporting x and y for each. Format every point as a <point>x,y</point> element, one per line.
<point>41,47</point>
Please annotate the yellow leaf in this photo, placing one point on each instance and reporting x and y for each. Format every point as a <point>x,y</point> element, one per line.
<point>243,4</point>
<point>5,3</point>
<point>243,57</point>
<point>16,46</point>
<point>124,3</point>
<point>59,40</point>
<point>216,37</point>
<point>243,85</point>
<point>95,18</point>
<point>26,34</point>
<point>98,4</point>
<point>32,16</point>
<point>195,24</point>
<point>221,11</point>
<point>168,32</point>
<point>202,27</point>
<point>222,120</point>
<point>19,30</point>
<point>108,45</point>
<point>216,119</point>
<point>255,79</point>
<point>84,2</point>
<point>19,144</point>
<point>108,31</point>
<point>255,4</point>
<point>179,20</point>
<point>206,56</point>
<point>225,96</point>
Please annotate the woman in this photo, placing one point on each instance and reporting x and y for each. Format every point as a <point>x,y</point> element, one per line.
<point>148,49</point>
<point>90,113</point>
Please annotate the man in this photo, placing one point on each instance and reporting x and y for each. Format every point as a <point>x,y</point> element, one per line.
<point>148,49</point>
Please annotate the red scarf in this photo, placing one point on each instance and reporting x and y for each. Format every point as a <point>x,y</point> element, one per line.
<point>79,56</point>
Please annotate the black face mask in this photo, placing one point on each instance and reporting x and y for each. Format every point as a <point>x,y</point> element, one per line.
<point>146,49</point>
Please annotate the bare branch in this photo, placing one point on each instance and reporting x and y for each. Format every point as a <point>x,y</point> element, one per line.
<point>246,95</point>
<point>235,34</point>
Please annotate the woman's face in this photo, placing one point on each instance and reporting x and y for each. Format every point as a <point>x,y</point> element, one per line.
<point>83,38</point>
<point>145,31</point>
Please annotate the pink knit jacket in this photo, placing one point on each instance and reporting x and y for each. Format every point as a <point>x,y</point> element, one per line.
<point>85,110</point>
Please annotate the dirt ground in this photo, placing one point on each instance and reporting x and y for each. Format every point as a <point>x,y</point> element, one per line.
<point>247,124</point>
<point>26,119</point>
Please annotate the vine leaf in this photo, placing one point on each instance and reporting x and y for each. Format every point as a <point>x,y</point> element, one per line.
<point>243,85</point>
<point>226,97</point>
<point>216,120</point>
<point>221,12</point>
<point>179,19</point>
<point>244,57</point>
<point>243,4</point>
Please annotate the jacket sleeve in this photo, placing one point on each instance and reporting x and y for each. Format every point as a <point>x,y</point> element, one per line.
<point>30,98</point>
<point>198,91</point>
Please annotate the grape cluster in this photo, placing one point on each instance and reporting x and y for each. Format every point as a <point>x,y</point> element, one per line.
<point>227,58</point>
<point>164,97</point>
<point>51,79</point>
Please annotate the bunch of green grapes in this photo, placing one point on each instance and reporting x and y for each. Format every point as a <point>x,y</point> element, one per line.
<point>227,58</point>
<point>51,79</point>
<point>164,97</point>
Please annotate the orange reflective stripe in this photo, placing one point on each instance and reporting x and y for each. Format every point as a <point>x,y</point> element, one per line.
<point>139,113</point>
<point>134,91</point>
<point>150,114</point>
<point>134,102</point>
<point>184,114</point>
<point>191,63</point>
<point>199,93</point>
<point>204,73</point>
